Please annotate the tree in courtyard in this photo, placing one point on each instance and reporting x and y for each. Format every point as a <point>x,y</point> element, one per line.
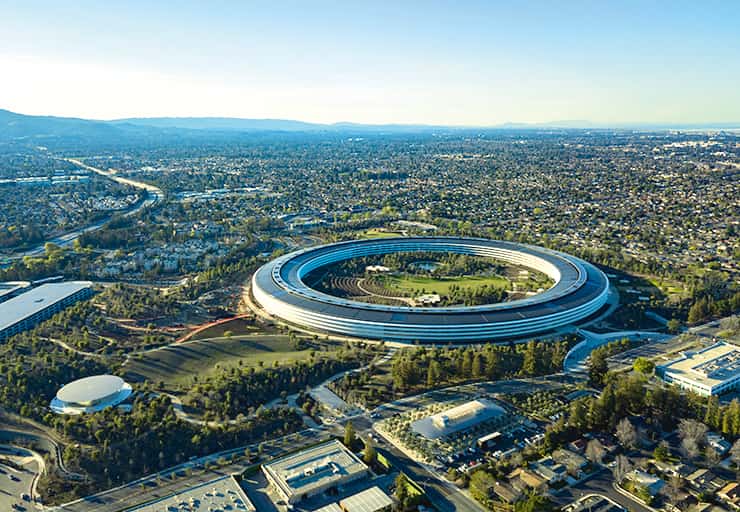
<point>402,491</point>
<point>673,325</point>
<point>370,456</point>
<point>349,434</point>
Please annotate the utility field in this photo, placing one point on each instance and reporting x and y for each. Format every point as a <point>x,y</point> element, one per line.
<point>177,364</point>
<point>415,285</point>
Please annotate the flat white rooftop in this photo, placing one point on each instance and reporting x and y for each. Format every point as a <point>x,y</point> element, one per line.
<point>369,500</point>
<point>458,418</point>
<point>90,389</point>
<point>708,367</point>
<point>222,494</point>
<point>10,287</point>
<point>36,300</point>
<point>314,468</point>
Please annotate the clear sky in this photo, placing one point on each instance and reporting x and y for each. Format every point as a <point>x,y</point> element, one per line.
<point>397,61</point>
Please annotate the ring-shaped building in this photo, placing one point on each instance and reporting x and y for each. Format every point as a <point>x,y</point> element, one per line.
<point>580,290</point>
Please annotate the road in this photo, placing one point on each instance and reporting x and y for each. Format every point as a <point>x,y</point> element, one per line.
<point>154,196</point>
<point>575,360</point>
<point>178,478</point>
<point>19,477</point>
<point>445,496</point>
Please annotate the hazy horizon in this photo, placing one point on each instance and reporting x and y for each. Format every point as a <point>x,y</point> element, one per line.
<point>471,64</point>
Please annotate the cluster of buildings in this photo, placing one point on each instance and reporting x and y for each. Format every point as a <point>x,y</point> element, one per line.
<point>45,181</point>
<point>170,258</point>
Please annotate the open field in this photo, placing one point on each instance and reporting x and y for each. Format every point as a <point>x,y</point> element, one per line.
<point>237,327</point>
<point>441,285</point>
<point>176,364</point>
<point>379,233</point>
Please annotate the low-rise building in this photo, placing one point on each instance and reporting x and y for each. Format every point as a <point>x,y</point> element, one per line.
<point>593,503</point>
<point>25,311</point>
<point>574,462</point>
<point>704,481</point>
<point>552,472</point>
<point>730,494</point>
<point>523,480</point>
<point>718,443</point>
<point>313,471</point>
<point>711,371</point>
<point>10,289</point>
<point>223,493</point>
<point>458,419</point>
<point>369,500</point>
<point>505,492</point>
<point>653,484</point>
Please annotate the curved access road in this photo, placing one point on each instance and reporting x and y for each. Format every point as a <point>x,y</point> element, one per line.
<point>154,195</point>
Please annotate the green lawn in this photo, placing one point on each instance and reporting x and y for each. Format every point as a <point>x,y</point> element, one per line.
<point>376,233</point>
<point>177,364</point>
<point>237,327</point>
<point>441,285</point>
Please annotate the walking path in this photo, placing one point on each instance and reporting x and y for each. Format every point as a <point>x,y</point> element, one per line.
<point>575,360</point>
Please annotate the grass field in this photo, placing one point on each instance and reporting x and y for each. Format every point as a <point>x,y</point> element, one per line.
<point>175,365</point>
<point>376,233</point>
<point>237,327</point>
<point>441,285</point>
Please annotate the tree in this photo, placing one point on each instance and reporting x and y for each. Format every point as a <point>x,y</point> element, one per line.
<point>595,451</point>
<point>693,434</point>
<point>661,452</point>
<point>673,325</point>
<point>644,366</point>
<point>735,452</point>
<point>673,489</point>
<point>349,434</point>
<point>529,366</point>
<point>481,483</point>
<point>534,503</point>
<point>402,490</point>
<point>626,433</point>
<point>370,456</point>
<point>622,466</point>
<point>597,367</point>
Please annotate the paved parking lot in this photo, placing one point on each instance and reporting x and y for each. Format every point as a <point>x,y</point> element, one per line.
<point>650,350</point>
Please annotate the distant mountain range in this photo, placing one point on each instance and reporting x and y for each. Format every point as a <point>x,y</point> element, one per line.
<point>20,126</point>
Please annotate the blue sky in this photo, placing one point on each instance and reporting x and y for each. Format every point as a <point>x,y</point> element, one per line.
<point>462,63</point>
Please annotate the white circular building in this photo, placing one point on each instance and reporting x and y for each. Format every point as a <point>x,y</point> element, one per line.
<point>580,290</point>
<point>91,394</point>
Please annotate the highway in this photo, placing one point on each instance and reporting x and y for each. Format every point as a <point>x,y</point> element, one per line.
<point>154,196</point>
